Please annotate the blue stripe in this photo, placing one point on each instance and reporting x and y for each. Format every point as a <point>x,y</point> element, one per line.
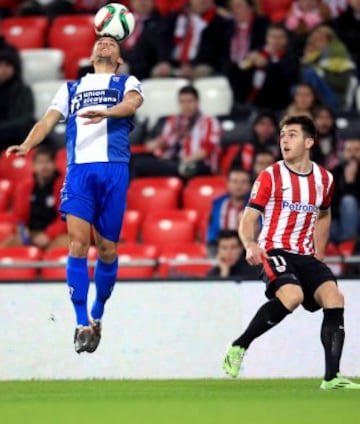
<point>71,128</point>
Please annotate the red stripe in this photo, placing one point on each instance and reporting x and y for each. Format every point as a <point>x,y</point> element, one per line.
<point>185,49</point>
<point>325,180</point>
<point>226,214</point>
<point>312,200</point>
<point>268,271</point>
<point>291,221</point>
<point>277,207</point>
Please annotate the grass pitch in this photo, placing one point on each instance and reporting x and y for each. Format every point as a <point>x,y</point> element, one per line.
<point>176,401</point>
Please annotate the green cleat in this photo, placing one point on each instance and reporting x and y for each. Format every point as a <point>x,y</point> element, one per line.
<point>233,358</point>
<point>339,382</point>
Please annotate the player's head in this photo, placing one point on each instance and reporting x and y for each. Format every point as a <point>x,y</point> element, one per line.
<point>239,183</point>
<point>106,52</point>
<point>188,101</point>
<point>297,137</point>
<point>229,247</point>
<point>43,161</point>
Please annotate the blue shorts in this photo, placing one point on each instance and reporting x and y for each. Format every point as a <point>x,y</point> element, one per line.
<point>96,192</point>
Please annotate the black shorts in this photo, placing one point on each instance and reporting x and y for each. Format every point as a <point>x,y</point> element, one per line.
<point>288,268</point>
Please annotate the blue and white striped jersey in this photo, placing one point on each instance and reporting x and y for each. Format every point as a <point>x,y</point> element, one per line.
<point>107,141</point>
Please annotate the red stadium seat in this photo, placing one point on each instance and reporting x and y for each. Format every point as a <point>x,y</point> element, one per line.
<point>131,226</point>
<point>15,168</point>
<point>190,215</point>
<point>6,190</point>
<point>60,255</point>
<point>75,36</point>
<point>7,225</point>
<point>11,255</point>
<point>168,231</point>
<point>184,252</point>
<point>132,251</point>
<point>154,193</point>
<point>25,32</point>
<point>201,191</point>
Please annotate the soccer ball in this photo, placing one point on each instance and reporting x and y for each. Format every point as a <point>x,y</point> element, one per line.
<point>115,20</point>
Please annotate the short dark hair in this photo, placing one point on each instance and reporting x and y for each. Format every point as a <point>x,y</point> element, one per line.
<point>189,89</point>
<point>228,234</point>
<point>307,124</point>
<point>237,168</point>
<point>44,150</point>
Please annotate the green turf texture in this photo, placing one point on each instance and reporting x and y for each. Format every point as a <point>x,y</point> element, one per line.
<point>176,401</point>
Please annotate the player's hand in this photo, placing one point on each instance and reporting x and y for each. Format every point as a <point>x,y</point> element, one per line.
<point>18,150</point>
<point>93,116</point>
<point>255,255</point>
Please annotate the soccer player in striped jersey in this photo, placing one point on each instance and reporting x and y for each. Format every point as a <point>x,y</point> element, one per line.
<point>98,110</point>
<point>293,196</point>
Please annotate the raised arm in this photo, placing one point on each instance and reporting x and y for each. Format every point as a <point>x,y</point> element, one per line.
<point>37,134</point>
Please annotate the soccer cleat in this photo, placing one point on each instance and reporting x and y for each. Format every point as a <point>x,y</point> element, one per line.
<point>233,358</point>
<point>339,382</point>
<point>96,336</point>
<point>82,338</point>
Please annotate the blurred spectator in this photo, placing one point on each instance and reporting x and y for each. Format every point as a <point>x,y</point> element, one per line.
<point>263,159</point>
<point>347,27</point>
<point>248,34</point>
<point>194,42</point>
<point>337,7</point>
<point>264,136</point>
<point>275,10</point>
<point>304,101</point>
<point>16,99</point>
<point>231,258</point>
<point>91,6</point>
<point>227,209</point>
<point>50,8</point>
<point>305,15</point>
<point>8,7</point>
<point>187,146</point>
<point>276,70</point>
<point>327,66</point>
<point>326,150</point>
<point>165,7</point>
<point>346,197</point>
<point>35,205</point>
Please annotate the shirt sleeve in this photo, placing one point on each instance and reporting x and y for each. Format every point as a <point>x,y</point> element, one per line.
<point>260,192</point>
<point>328,195</point>
<point>133,84</point>
<point>61,101</point>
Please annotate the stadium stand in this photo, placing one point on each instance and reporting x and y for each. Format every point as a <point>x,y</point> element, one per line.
<point>6,190</point>
<point>132,251</point>
<point>51,61</point>
<point>161,98</point>
<point>11,255</point>
<point>43,92</point>
<point>63,31</point>
<point>7,225</point>
<point>15,168</point>
<point>131,226</point>
<point>146,194</point>
<point>25,32</point>
<point>216,97</point>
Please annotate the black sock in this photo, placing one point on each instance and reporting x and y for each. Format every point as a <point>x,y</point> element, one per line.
<point>270,314</point>
<point>332,338</point>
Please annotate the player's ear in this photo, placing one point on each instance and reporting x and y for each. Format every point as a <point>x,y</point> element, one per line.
<point>309,142</point>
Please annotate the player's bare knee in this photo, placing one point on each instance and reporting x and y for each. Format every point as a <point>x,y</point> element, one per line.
<point>107,252</point>
<point>291,296</point>
<point>79,248</point>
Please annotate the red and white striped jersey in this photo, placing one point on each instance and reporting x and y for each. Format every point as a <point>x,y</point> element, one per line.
<point>289,203</point>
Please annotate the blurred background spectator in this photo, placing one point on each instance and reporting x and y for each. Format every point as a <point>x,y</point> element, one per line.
<point>36,202</point>
<point>327,66</point>
<point>16,99</point>
<point>346,198</point>
<point>194,42</point>
<point>50,8</point>
<point>304,101</point>
<point>227,209</point>
<point>231,258</point>
<point>248,34</point>
<point>187,146</point>
<point>263,159</point>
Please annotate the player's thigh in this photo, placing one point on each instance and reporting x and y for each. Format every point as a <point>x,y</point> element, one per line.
<point>107,249</point>
<point>328,295</point>
<point>290,295</point>
<point>79,235</point>
<point>112,204</point>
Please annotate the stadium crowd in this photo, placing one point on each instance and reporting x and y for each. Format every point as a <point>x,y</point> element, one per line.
<point>278,57</point>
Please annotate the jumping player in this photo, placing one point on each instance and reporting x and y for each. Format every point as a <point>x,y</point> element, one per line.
<point>293,196</point>
<point>98,110</point>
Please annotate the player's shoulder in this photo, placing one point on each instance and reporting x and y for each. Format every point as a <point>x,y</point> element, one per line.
<point>321,170</point>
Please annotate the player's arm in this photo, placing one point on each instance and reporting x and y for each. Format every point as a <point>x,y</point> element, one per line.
<point>127,107</point>
<point>248,230</point>
<point>37,134</point>
<point>321,232</point>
